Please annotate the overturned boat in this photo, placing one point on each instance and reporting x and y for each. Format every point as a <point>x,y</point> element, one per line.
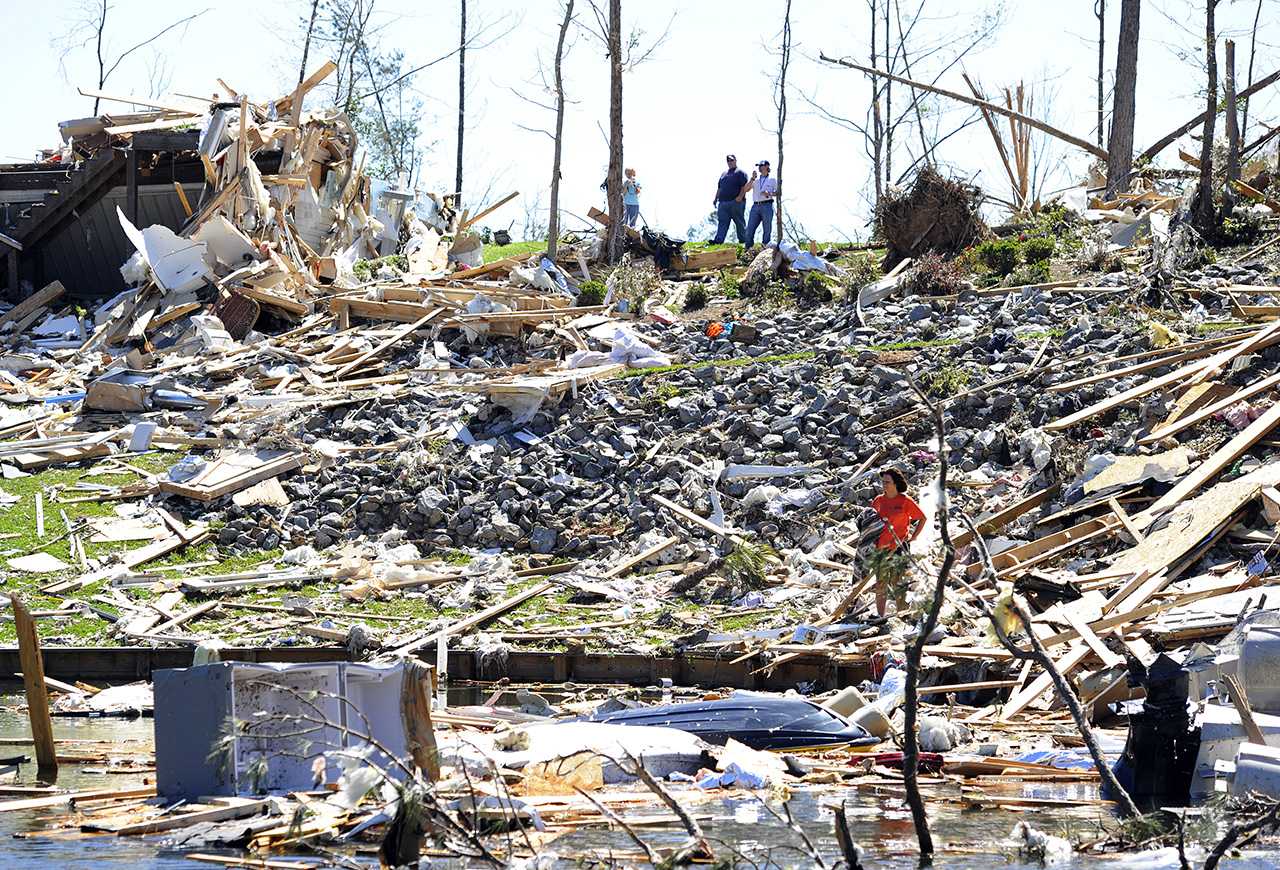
<point>758,721</point>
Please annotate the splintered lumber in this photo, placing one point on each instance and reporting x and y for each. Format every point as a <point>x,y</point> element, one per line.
<point>1241,702</point>
<point>1075,619</point>
<point>626,566</point>
<point>70,797</point>
<point>1109,622</point>
<point>1123,398</point>
<point>188,616</point>
<point>415,715</point>
<point>32,303</point>
<point>240,809</point>
<point>1209,410</point>
<point>1002,518</point>
<point>689,515</point>
<point>1123,516</point>
<point>1125,591</point>
<point>289,306</point>
<point>232,473</point>
<point>37,694</point>
<point>1136,368</point>
<point>1213,466</point>
<point>396,337</point>
<point>1041,684</point>
<point>475,218</point>
<point>1262,338</point>
<point>477,619</point>
<point>400,312</point>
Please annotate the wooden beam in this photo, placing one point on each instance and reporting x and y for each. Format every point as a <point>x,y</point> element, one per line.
<point>1041,684</point>
<point>626,566</point>
<point>396,337</point>
<point>477,619</point>
<point>497,205</point>
<point>1211,409</point>
<point>1091,640</point>
<point>37,693</point>
<point>1211,467</point>
<point>1241,702</point>
<point>39,299</point>
<point>1002,518</point>
<point>1129,527</point>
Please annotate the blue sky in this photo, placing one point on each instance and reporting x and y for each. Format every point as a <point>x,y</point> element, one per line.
<point>706,91</point>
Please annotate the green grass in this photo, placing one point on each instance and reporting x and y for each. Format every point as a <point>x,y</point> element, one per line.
<point>515,249</point>
<point>20,538</point>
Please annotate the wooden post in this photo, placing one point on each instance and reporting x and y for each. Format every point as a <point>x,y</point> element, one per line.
<point>37,695</point>
<point>415,713</point>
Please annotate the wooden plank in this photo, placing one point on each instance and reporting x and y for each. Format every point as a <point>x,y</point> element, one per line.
<point>1123,398</point>
<point>626,566</point>
<point>1134,369</point>
<point>396,337</point>
<point>238,810</point>
<point>70,797</point>
<point>694,518</point>
<point>966,687</point>
<point>284,303</point>
<point>193,489</point>
<point>37,694</point>
<point>45,296</point>
<point>488,211</point>
<point>1002,518</point>
<point>400,312</point>
<point>1241,702</point>
<point>182,618</point>
<point>477,619</point>
<point>1041,684</point>
<point>1256,341</point>
<point>1125,590</point>
<point>1211,467</point>
<point>1209,410</point>
<point>1123,516</point>
<point>1091,640</point>
<point>1128,616</point>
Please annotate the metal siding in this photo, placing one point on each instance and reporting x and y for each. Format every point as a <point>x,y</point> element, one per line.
<point>87,254</point>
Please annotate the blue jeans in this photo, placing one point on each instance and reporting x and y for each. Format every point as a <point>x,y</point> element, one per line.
<point>631,213</point>
<point>761,216</point>
<point>730,210</point>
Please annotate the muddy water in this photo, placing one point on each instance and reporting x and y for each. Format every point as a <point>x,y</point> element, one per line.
<point>881,823</point>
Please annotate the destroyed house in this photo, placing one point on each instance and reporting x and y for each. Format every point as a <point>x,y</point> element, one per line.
<point>58,218</point>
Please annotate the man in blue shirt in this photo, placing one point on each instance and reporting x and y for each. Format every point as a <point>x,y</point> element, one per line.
<point>630,198</point>
<point>730,192</point>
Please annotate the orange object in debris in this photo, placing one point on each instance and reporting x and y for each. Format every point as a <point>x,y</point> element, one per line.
<point>715,329</point>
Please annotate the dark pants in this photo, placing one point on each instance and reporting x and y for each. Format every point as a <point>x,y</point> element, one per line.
<point>631,213</point>
<point>761,216</point>
<point>730,210</point>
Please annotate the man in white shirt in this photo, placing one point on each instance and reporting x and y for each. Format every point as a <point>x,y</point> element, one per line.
<point>764,189</point>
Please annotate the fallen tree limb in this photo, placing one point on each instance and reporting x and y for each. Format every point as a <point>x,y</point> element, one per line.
<point>1199,119</point>
<point>1093,149</point>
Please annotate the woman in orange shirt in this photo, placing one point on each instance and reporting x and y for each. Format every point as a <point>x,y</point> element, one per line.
<point>903,523</point>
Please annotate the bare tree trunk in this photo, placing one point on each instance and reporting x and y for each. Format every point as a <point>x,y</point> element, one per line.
<point>616,225</point>
<point>877,128</point>
<point>915,650</point>
<point>1233,126</point>
<point>102,64</point>
<point>1100,11</point>
<point>888,101</point>
<point>1123,101</point>
<point>782,112</point>
<point>1253,46</point>
<point>553,220</point>
<point>1205,218</point>
<point>462,101</point>
<point>306,43</point>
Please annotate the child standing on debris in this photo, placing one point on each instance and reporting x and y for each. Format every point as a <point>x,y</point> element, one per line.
<point>631,198</point>
<point>903,523</point>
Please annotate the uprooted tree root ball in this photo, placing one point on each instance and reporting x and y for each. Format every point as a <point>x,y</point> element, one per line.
<point>936,214</point>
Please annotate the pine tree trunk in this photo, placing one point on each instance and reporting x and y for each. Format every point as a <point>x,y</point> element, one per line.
<point>1205,218</point>
<point>616,225</point>
<point>1123,104</point>
<point>553,220</point>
